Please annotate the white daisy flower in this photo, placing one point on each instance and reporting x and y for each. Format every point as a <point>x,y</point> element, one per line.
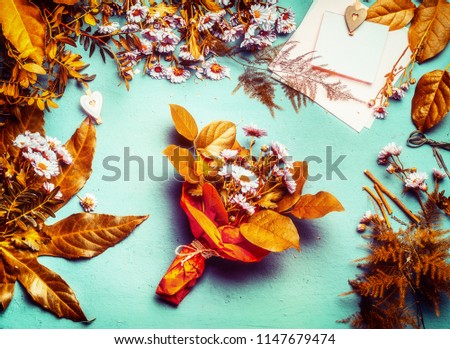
<point>280,151</point>
<point>23,141</point>
<point>215,71</point>
<point>240,200</point>
<point>233,33</point>
<point>208,20</point>
<point>109,28</point>
<point>186,55</point>
<point>146,47</point>
<point>289,181</point>
<point>49,187</point>
<point>175,22</point>
<point>44,167</point>
<point>246,178</point>
<point>63,154</point>
<point>137,13</point>
<point>263,14</point>
<point>88,202</point>
<point>416,180</point>
<point>229,154</point>
<point>153,35</point>
<point>130,28</point>
<point>157,71</point>
<point>438,175</point>
<point>177,74</point>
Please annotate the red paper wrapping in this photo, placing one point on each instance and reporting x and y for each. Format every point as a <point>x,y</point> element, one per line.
<point>209,224</point>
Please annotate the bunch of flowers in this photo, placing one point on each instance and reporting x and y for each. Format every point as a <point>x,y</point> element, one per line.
<point>182,38</point>
<point>238,201</point>
<point>38,161</point>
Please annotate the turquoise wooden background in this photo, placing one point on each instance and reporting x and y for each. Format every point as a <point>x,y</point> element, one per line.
<point>287,290</point>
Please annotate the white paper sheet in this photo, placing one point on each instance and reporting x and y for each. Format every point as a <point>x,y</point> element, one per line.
<point>354,113</point>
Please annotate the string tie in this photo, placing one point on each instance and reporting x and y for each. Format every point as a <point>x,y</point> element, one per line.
<point>196,248</point>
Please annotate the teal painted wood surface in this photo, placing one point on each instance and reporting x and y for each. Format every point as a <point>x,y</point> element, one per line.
<point>287,290</point>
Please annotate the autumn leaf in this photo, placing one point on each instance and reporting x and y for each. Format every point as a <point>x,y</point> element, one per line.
<point>24,27</point>
<point>34,68</point>
<point>184,122</point>
<point>394,13</point>
<point>215,137</point>
<point>431,101</point>
<point>430,29</point>
<point>82,147</point>
<point>300,175</point>
<point>183,161</point>
<point>271,231</point>
<point>31,119</point>
<point>7,280</point>
<point>43,285</point>
<point>311,206</point>
<point>86,235</point>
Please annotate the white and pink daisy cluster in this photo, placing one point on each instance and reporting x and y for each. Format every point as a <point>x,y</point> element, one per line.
<point>246,179</point>
<point>43,153</point>
<point>162,36</point>
<point>387,152</point>
<point>416,180</point>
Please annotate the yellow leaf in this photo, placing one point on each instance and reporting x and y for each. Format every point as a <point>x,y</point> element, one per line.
<point>430,29</point>
<point>40,104</point>
<point>272,231</point>
<point>300,174</point>
<point>215,137</point>
<point>184,122</point>
<point>23,26</point>
<point>431,101</point>
<point>34,68</point>
<point>90,19</point>
<point>183,161</point>
<point>394,13</point>
<point>315,206</point>
<point>52,104</point>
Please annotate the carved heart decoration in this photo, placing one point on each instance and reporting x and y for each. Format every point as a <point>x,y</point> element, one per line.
<point>92,105</point>
<point>354,18</point>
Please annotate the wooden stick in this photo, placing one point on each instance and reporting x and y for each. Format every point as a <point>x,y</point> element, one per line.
<point>380,194</point>
<point>380,205</point>
<point>392,196</point>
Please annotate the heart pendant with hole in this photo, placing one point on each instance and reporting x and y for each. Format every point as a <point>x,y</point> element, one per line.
<point>91,103</point>
<point>354,17</point>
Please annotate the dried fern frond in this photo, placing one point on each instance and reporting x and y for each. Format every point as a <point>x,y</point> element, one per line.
<point>259,85</point>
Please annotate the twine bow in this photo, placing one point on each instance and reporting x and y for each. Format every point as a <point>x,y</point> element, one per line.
<point>417,139</point>
<point>196,248</point>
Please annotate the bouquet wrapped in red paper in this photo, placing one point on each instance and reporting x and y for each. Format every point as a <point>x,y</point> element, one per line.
<point>239,200</point>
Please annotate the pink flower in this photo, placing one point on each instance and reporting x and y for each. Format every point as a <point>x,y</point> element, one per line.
<point>49,187</point>
<point>366,218</point>
<point>289,181</point>
<point>254,131</point>
<point>438,175</point>
<point>88,202</point>
<point>157,71</point>
<point>137,13</point>
<point>416,180</point>
<point>280,151</point>
<point>389,150</point>
<point>398,93</point>
<point>380,112</point>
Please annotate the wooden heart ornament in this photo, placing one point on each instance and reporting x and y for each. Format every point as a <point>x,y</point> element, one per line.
<point>354,17</point>
<point>91,103</point>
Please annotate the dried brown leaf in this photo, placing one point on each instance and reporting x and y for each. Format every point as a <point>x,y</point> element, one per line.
<point>394,13</point>
<point>431,101</point>
<point>430,29</point>
<point>86,235</point>
<point>311,206</point>
<point>215,137</point>
<point>24,27</point>
<point>271,231</point>
<point>7,280</point>
<point>82,147</point>
<point>184,122</point>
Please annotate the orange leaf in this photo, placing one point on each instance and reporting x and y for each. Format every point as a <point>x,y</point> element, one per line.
<point>394,13</point>
<point>86,235</point>
<point>430,29</point>
<point>7,280</point>
<point>184,122</point>
<point>215,137</point>
<point>213,205</point>
<point>82,147</point>
<point>66,2</point>
<point>315,206</point>
<point>43,285</point>
<point>431,101</point>
<point>300,175</point>
<point>183,161</point>
<point>271,231</point>
<point>34,68</point>
<point>23,26</point>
